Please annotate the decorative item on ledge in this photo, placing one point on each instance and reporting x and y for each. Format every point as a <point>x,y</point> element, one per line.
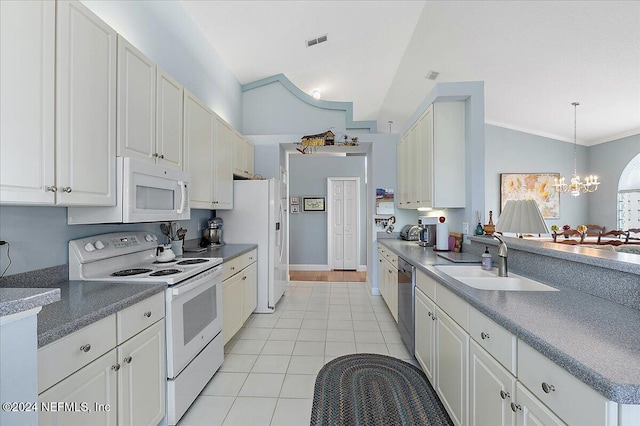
<point>311,143</point>
<point>490,228</point>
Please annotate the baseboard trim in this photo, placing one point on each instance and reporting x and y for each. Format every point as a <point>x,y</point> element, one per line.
<point>362,268</point>
<point>302,267</point>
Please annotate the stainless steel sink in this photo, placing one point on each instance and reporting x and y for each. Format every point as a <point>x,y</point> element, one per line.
<point>481,279</point>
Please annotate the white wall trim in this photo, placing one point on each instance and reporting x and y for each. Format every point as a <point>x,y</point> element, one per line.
<point>302,267</point>
<point>329,209</point>
<point>362,268</point>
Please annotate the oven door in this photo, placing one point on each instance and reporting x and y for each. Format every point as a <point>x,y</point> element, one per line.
<point>154,193</point>
<point>194,318</point>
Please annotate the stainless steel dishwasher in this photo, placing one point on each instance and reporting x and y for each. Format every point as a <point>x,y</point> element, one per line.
<point>406,293</point>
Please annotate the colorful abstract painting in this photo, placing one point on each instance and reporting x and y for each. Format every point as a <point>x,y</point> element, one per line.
<point>537,186</point>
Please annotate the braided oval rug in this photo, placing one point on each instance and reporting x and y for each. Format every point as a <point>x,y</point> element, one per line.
<point>370,389</point>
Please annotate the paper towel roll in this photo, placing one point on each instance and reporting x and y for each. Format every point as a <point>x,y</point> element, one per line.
<point>442,236</point>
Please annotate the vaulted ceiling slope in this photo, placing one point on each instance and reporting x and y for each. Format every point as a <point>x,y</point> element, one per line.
<point>535,57</point>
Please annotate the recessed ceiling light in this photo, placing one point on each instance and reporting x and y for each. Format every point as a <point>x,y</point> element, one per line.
<point>316,94</point>
<point>432,75</point>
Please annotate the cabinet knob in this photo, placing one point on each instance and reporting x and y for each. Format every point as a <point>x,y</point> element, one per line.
<point>51,188</point>
<point>147,314</point>
<point>515,407</point>
<point>548,388</point>
<point>484,335</point>
<point>85,348</point>
<point>433,317</point>
<point>161,156</point>
<point>128,360</point>
<point>244,278</point>
<point>504,395</point>
<point>233,268</point>
<point>155,154</point>
<point>115,367</point>
<point>390,271</point>
<point>66,189</point>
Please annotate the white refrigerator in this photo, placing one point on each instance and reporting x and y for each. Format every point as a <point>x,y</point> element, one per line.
<point>258,217</point>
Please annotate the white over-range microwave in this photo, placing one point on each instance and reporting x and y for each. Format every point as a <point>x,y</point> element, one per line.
<point>145,192</point>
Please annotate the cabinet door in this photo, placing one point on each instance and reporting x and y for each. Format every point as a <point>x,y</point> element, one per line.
<point>27,78</point>
<point>136,103</point>
<point>401,173</point>
<point>239,161</point>
<point>223,165</point>
<point>85,107</point>
<point>248,157</point>
<point>142,378</point>
<point>530,411</point>
<point>393,293</point>
<point>94,385</point>
<point>231,307</point>
<point>424,154</point>
<point>249,291</point>
<point>452,353</point>
<point>425,329</point>
<point>169,121</point>
<point>491,390</point>
<point>198,142</point>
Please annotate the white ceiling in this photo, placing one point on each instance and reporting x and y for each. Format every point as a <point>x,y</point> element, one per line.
<point>535,57</point>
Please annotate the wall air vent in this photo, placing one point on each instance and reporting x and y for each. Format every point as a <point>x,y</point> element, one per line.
<point>317,40</point>
<point>432,75</point>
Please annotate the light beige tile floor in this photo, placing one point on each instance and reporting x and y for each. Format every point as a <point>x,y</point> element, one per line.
<point>271,364</point>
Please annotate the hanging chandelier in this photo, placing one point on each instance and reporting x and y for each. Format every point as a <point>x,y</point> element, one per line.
<point>576,186</point>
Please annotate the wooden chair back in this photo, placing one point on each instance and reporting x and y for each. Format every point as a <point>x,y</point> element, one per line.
<point>613,236</point>
<point>633,236</point>
<point>568,233</point>
<point>594,230</point>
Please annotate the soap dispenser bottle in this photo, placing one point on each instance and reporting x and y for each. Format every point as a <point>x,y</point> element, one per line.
<point>486,259</point>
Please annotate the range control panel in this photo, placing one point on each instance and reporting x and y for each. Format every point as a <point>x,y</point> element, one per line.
<point>109,245</point>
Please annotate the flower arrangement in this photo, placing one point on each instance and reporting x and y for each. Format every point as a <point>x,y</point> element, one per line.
<point>555,228</point>
<point>566,227</point>
<point>582,229</point>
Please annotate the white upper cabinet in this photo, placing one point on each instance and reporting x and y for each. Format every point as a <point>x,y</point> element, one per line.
<point>136,103</point>
<point>169,121</point>
<point>86,50</point>
<point>149,110</point>
<point>198,141</point>
<point>222,165</point>
<point>242,156</point>
<point>27,79</point>
<point>431,159</point>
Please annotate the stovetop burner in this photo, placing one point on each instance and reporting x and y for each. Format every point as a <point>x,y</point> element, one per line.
<point>165,272</point>
<point>129,272</point>
<point>192,261</point>
<point>168,262</point>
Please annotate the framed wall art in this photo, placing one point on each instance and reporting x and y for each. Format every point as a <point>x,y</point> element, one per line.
<point>313,204</point>
<point>536,186</point>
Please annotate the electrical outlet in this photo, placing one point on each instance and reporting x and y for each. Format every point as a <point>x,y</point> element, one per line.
<point>465,228</point>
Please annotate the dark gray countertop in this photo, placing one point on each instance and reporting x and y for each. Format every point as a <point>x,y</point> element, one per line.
<point>596,340</point>
<point>84,302</point>
<point>227,252</point>
<point>16,300</point>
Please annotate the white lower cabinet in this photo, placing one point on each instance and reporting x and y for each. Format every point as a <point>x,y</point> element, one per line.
<point>239,293</point>
<point>425,339</point>
<point>491,390</point>
<point>531,412</point>
<point>388,279</point>
<point>82,383</point>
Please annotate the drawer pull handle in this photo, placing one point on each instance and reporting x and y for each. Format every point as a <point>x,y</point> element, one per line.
<point>115,367</point>
<point>504,395</point>
<point>147,314</point>
<point>85,348</point>
<point>128,360</point>
<point>484,335</point>
<point>515,407</point>
<point>251,258</point>
<point>548,388</point>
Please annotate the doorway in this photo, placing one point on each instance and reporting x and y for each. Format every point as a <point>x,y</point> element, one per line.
<point>343,223</point>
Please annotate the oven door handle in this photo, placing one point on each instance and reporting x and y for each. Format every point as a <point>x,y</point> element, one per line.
<point>185,288</point>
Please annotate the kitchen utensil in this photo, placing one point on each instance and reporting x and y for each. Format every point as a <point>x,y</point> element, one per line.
<point>164,228</point>
<point>174,231</point>
<point>181,233</point>
<point>164,253</point>
<point>212,234</point>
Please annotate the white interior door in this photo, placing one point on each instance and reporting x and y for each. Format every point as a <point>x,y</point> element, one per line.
<point>343,216</point>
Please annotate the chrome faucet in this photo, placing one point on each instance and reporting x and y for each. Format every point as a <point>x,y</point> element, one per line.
<point>502,258</point>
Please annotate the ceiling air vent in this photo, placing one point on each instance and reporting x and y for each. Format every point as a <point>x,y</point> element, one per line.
<point>317,40</point>
<point>432,75</point>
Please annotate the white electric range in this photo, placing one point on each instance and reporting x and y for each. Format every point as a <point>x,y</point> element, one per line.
<point>193,304</point>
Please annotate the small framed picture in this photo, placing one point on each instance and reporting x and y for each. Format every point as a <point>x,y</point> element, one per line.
<point>313,204</point>
<point>295,209</point>
<point>294,201</point>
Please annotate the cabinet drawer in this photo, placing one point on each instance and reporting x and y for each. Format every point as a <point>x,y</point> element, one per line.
<point>249,258</point>
<point>454,306</point>
<point>573,401</point>
<point>136,318</point>
<point>63,357</point>
<point>426,284</point>
<point>231,267</point>
<point>494,339</point>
